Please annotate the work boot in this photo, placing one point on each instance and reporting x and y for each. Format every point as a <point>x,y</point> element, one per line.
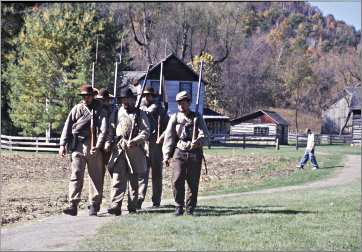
<point>179,211</point>
<point>93,210</point>
<point>116,210</point>
<point>156,205</point>
<point>190,211</point>
<point>132,210</point>
<point>72,210</point>
<point>139,203</point>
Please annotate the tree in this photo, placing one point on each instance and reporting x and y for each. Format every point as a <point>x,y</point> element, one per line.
<point>11,23</point>
<point>298,76</point>
<point>57,48</point>
<point>212,74</point>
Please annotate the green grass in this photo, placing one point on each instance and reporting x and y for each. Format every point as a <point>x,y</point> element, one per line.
<point>330,159</point>
<point>323,219</point>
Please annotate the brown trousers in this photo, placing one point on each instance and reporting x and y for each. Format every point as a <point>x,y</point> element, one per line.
<point>81,158</point>
<point>186,167</point>
<point>154,163</point>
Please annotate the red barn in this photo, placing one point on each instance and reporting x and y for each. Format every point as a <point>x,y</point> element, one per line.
<point>261,123</point>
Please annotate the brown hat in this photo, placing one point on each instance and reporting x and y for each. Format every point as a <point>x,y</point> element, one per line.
<point>126,93</point>
<point>182,96</point>
<point>149,90</point>
<point>86,89</point>
<point>103,94</point>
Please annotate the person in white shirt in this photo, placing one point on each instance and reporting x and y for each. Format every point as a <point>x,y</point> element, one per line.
<point>309,152</point>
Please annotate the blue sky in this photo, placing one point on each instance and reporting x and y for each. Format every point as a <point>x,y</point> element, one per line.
<point>348,11</point>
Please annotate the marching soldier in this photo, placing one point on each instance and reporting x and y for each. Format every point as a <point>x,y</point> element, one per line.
<point>186,152</point>
<point>128,158</point>
<point>153,110</point>
<point>77,136</point>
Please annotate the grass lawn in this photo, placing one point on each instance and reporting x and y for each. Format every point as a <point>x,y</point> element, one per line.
<point>324,219</point>
<point>278,168</point>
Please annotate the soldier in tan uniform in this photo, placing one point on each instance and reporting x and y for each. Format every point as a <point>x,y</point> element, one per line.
<point>186,152</point>
<point>77,135</point>
<point>156,114</point>
<point>128,158</point>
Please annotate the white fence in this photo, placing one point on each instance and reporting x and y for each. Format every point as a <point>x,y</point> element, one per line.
<point>29,143</point>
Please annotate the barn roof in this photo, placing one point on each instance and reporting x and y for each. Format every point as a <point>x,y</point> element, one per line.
<point>355,92</point>
<point>274,116</point>
<point>211,114</point>
<point>174,69</point>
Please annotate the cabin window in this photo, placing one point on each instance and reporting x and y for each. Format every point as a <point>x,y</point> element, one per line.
<point>186,86</point>
<point>261,131</point>
<point>155,85</point>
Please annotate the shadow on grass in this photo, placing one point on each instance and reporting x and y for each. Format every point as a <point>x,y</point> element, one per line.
<point>225,211</point>
<point>331,167</point>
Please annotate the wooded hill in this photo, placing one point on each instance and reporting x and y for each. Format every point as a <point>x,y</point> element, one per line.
<point>259,55</point>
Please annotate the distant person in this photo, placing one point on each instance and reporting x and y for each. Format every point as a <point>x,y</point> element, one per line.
<point>309,152</point>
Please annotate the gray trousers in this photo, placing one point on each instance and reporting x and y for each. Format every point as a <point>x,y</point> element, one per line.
<point>81,158</point>
<point>154,163</point>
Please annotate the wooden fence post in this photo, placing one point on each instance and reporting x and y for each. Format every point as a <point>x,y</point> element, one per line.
<point>330,139</point>
<point>277,143</point>
<point>36,145</point>
<point>11,144</point>
<point>243,141</point>
<point>296,144</point>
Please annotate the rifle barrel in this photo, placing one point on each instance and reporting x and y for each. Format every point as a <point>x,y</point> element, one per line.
<point>199,88</point>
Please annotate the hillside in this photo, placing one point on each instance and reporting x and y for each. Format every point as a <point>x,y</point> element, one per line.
<point>305,120</point>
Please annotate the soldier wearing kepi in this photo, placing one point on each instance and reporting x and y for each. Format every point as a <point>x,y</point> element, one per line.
<point>154,112</point>
<point>128,158</point>
<point>77,135</point>
<point>186,152</point>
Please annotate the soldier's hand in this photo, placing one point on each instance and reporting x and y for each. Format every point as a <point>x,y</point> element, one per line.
<point>166,162</point>
<point>107,147</point>
<point>93,150</point>
<point>195,145</point>
<point>62,151</point>
<point>131,144</point>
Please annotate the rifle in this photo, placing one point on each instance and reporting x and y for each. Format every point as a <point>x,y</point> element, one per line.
<point>92,131</point>
<point>138,104</point>
<point>194,131</point>
<point>163,94</point>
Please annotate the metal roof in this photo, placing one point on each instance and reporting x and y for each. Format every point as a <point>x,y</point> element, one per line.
<point>274,116</point>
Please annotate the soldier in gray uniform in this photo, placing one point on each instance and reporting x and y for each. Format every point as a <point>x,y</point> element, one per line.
<point>128,158</point>
<point>156,114</point>
<point>77,135</point>
<point>186,152</point>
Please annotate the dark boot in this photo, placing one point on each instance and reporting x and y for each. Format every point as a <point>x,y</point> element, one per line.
<point>139,203</point>
<point>93,210</point>
<point>132,210</point>
<point>190,211</point>
<point>72,209</point>
<point>116,210</point>
<point>179,211</point>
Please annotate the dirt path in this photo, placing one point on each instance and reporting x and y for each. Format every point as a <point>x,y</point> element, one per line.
<point>63,232</point>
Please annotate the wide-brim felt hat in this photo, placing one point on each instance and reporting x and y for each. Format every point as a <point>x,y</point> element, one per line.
<point>86,90</point>
<point>103,94</point>
<point>149,90</point>
<point>126,93</point>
